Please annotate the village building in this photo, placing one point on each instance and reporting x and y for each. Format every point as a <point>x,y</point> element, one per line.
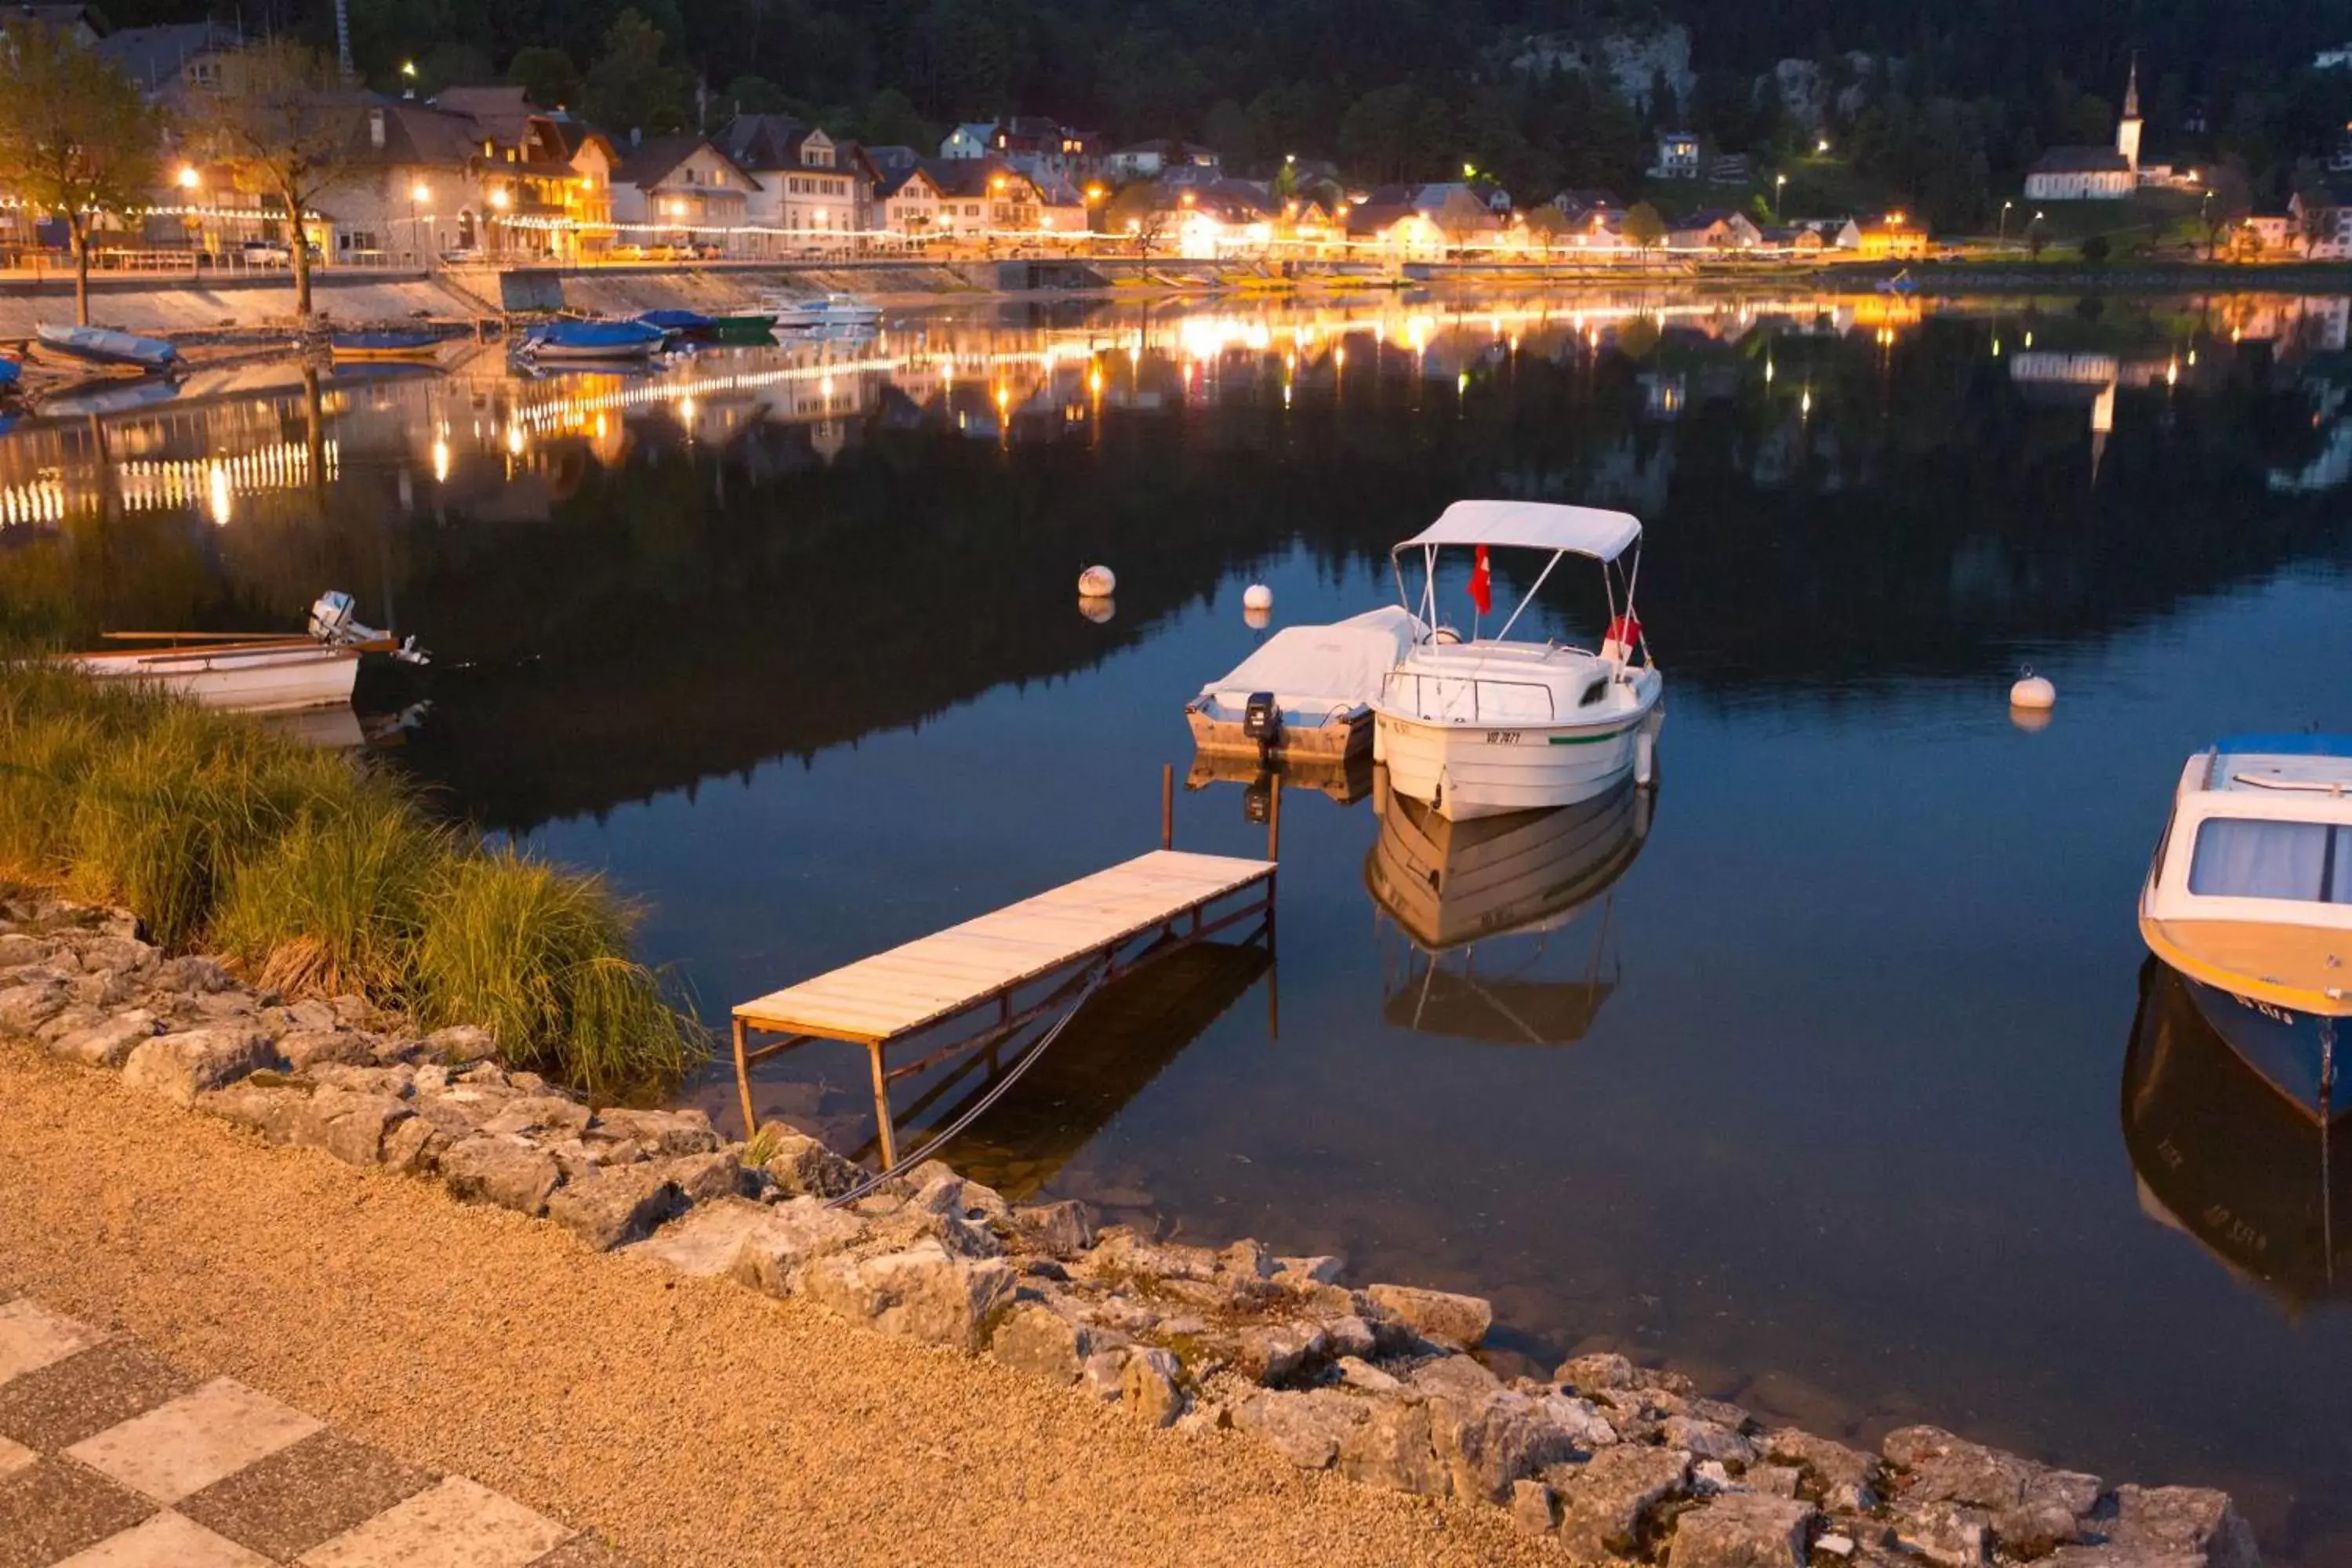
<point>1895,237</point>
<point>174,63</point>
<point>2322,220</point>
<point>1677,156</point>
<point>808,190</point>
<point>1714,228</point>
<point>673,192</point>
<point>2094,174</point>
<point>972,139</point>
<point>1151,159</point>
<point>477,171</point>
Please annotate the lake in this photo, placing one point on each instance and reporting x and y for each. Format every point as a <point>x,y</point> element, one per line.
<point>1832,1081</point>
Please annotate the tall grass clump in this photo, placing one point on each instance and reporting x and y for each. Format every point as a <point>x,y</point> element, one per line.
<point>314,875</point>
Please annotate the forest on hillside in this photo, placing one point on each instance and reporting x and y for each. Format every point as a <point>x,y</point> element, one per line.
<point>1947,100</point>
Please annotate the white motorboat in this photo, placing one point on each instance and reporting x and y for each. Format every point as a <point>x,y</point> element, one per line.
<point>795,312</point>
<point>2250,898</point>
<point>1305,693</point>
<point>1488,725</point>
<point>254,673</point>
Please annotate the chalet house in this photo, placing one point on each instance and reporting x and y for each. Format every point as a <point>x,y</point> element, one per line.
<point>1677,156</point>
<point>985,196</point>
<point>85,24</point>
<point>1151,159</point>
<point>1894,237</point>
<point>2093,173</point>
<point>2324,222</point>
<point>478,169</point>
<point>668,186</point>
<point>805,183</point>
<point>971,140</point>
<point>1715,228</point>
<point>174,63</point>
<point>1046,150</point>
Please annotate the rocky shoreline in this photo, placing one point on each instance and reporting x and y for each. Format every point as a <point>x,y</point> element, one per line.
<point>1382,1383</point>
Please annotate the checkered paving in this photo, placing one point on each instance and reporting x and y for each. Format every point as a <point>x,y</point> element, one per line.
<point>110,1457</point>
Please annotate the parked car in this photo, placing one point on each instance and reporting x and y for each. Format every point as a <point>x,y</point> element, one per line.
<point>266,253</point>
<point>462,256</point>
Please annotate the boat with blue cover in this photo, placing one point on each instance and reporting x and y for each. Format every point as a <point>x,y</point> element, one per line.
<point>681,323</point>
<point>10,373</point>
<point>103,345</point>
<point>593,340</point>
<point>2249,900</point>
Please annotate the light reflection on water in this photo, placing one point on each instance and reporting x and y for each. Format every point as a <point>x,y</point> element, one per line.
<point>1817,1079</point>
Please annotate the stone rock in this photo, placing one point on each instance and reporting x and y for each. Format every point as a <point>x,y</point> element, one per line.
<point>1458,1379</point>
<point>1304,1428</point>
<point>1773,1480</point>
<point>705,1178</point>
<point>17,950</point>
<point>312,1014</point>
<point>1441,1314</point>
<point>2182,1521</point>
<point>1248,1260</point>
<point>1357,1373</point>
<point>1297,1273</point>
<point>193,975</point>
<point>1955,1535</point>
<point>1148,1385</point>
<point>1509,1438</point>
<point>1706,1440</point>
<point>1275,1353</point>
<point>1393,1447</point>
<point>183,1066</point>
<point>504,1170</point>
<point>707,1241</point>
<point>25,1008</point>
<point>1742,1530</point>
<point>459,1043</point>
<point>920,1293</point>
<point>771,1255</point>
<point>117,954</point>
<point>109,1043</point>
<point>617,1205</point>
<point>539,1113</point>
<point>1035,1338</point>
<point>1104,1372</point>
<point>1058,1230</point>
<point>1534,1508</point>
<point>306,1047</point>
<point>413,1147</point>
<point>349,1125</point>
<point>1847,1477</point>
<point>395,1081</point>
<point>1585,1426</point>
<point>1946,1469</point>
<point>1588,1373</point>
<point>2120,1557</point>
<point>1349,1336</point>
<point>272,1109</point>
<point>1606,1502</point>
<point>803,1166</point>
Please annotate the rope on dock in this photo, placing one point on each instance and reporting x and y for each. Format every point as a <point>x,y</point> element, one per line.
<point>983,1103</point>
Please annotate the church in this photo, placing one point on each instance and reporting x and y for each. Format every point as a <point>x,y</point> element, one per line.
<point>2092,174</point>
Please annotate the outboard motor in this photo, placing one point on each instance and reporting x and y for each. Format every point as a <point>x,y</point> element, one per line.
<point>334,621</point>
<point>1262,721</point>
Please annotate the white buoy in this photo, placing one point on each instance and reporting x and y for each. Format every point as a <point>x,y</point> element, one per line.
<point>1256,620</point>
<point>1257,596</point>
<point>1097,583</point>
<point>2032,692</point>
<point>1096,608</point>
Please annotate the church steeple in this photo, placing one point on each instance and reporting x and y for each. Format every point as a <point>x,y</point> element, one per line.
<point>2127,128</point>
<point>2131,90</point>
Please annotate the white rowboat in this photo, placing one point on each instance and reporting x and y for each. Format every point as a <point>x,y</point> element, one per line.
<point>272,675</point>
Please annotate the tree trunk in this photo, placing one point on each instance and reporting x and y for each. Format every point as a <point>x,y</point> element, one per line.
<point>300,253</point>
<point>78,226</point>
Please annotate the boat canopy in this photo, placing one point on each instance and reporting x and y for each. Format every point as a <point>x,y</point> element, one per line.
<point>1536,525</point>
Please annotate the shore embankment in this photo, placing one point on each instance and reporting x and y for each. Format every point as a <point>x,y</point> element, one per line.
<point>769,1316</point>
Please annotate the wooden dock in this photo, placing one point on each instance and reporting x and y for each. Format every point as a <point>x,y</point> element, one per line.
<point>927,984</point>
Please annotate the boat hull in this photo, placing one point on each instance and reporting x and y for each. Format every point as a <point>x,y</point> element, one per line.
<point>605,352</point>
<point>2300,1050</point>
<point>1468,771</point>
<point>99,345</point>
<point>1336,741</point>
<point>246,678</point>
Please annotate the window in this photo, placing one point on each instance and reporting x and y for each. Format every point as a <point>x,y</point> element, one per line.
<point>2248,858</point>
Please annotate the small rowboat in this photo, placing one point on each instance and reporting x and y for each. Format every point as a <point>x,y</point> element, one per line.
<point>266,675</point>
<point>593,340</point>
<point>745,326</point>
<point>103,345</point>
<point>681,323</point>
<point>386,344</point>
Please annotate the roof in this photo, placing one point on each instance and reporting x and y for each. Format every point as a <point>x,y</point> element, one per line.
<point>2082,161</point>
<point>419,133</point>
<point>648,163</point>
<point>1532,525</point>
<point>505,112</point>
<point>152,56</point>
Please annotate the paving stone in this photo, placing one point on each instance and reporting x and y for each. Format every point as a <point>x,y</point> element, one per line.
<point>166,1540</point>
<point>458,1524</point>
<point>32,1337</point>
<point>305,1493</point>
<point>87,1393</point>
<point>194,1441</point>
<point>53,1508</point>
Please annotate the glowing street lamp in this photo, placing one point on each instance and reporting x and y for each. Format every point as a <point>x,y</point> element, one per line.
<point>408,69</point>
<point>2003,236</point>
<point>1780,185</point>
<point>188,177</point>
<point>1821,147</point>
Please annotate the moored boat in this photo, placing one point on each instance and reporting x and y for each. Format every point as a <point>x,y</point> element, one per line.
<point>1305,693</point>
<point>592,341</point>
<point>11,371</point>
<point>255,672</point>
<point>680,324</point>
<point>1487,725</point>
<point>385,343</point>
<point>2250,899</point>
<point>744,326</point>
<point>103,345</point>
<point>795,311</point>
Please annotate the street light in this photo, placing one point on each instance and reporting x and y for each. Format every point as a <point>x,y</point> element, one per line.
<point>1821,147</point>
<point>408,69</point>
<point>189,178</point>
<point>2003,236</point>
<point>1469,170</point>
<point>1780,185</point>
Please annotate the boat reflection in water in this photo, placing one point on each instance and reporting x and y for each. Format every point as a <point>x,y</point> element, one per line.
<point>2254,1170</point>
<point>1346,780</point>
<point>1454,887</point>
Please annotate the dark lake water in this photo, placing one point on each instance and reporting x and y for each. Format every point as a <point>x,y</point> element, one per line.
<point>1837,1090</point>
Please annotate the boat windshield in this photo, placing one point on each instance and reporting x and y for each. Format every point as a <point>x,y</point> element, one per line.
<point>2248,858</point>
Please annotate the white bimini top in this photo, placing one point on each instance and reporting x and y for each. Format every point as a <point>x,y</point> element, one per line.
<point>1534,525</point>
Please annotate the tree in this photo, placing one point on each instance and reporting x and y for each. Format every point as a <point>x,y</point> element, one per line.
<point>2037,236</point>
<point>2096,249</point>
<point>75,135</point>
<point>629,88</point>
<point>1644,229</point>
<point>547,76</point>
<point>2228,200</point>
<point>890,120</point>
<point>289,128</point>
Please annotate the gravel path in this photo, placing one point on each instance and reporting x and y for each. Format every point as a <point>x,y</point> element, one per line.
<point>690,1422</point>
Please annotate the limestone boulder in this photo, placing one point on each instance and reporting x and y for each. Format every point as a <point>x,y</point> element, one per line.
<point>192,975</point>
<point>804,1167</point>
<point>705,1178</point>
<point>1509,1438</point>
<point>264,1102</point>
<point>665,1135</point>
<point>1150,1386</point>
<point>617,1205</point>
<point>509,1171</point>
<point>795,1233</point>
<point>350,1124</point>
<point>1276,1354</point>
<point>1298,1273</point>
<point>1057,1230</point>
<point>539,1113</point>
<point>17,950</point>
<point>1950,1534</point>
<point>107,1042</point>
<point>1592,1374</point>
<point>461,1043</point>
<point>1847,1478</point>
<point>705,1241</point>
<point>922,1292</point>
<point>1394,1447</point>
<point>25,1007</point>
<point>1534,1508</point>
<point>304,1048</point>
<point>1037,1339</point>
<point>183,1066</point>
<point>1440,1314</point>
<point>1609,1503</point>
<point>1304,1428</point>
<point>2182,1521</point>
<point>1743,1530</point>
<point>414,1147</point>
<point>1707,1440</point>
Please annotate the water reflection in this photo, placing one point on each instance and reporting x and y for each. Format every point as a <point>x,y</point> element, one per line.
<point>1460,891</point>
<point>2259,1177</point>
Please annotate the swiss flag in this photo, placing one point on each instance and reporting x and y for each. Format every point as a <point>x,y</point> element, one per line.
<point>1481,584</point>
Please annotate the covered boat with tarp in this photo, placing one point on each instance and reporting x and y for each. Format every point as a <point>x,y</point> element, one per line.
<point>592,341</point>
<point>103,345</point>
<point>1305,693</point>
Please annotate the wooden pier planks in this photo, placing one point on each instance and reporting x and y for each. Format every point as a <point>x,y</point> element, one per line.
<point>938,976</point>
